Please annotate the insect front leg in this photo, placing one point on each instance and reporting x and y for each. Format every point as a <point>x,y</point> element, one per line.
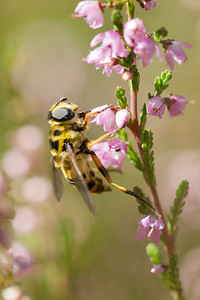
<point>92,113</point>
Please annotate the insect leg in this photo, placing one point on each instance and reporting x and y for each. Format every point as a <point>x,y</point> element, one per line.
<point>86,115</point>
<point>101,138</point>
<point>104,172</point>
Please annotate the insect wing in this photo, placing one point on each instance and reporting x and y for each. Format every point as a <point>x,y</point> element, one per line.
<point>57,182</point>
<point>80,183</point>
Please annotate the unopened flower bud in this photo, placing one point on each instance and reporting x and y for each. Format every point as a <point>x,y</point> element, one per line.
<point>159,269</point>
<point>127,75</point>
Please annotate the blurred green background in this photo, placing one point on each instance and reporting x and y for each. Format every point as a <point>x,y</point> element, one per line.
<point>78,256</point>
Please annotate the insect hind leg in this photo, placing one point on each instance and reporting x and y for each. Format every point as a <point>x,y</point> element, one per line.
<point>105,173</point>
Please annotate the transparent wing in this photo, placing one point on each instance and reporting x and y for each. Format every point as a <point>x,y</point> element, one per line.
<point>79,181</point>
<point>57,182</point>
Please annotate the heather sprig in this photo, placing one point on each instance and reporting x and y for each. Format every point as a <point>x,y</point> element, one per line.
<point>120,49</point>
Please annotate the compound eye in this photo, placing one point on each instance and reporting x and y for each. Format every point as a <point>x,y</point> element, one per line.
<point>63,114</point>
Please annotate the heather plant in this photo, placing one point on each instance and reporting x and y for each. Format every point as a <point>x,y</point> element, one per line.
<point>119,50</point>
<point>40,253</point>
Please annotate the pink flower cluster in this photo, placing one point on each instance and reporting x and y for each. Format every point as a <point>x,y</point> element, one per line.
<point>151,227</point>
<point>113,152</point>
<point>113,50</point>
<point>175,105</point>
<point>109,119</point>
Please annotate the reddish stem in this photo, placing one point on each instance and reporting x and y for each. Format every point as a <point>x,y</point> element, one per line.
<point>135,129</point>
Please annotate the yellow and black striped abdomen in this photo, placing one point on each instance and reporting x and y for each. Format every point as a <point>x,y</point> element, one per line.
<point>94,183</point>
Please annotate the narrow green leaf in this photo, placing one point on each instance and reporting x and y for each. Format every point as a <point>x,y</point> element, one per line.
<point>178,204</point>
<point>148,157</point>
<point>134,158</point>
<point>136,78</point>
<point>172,275</point>
<point>143,208</point>
<point>143,119</point>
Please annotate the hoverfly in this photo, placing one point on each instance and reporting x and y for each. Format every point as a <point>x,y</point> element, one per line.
<point>70,151</point>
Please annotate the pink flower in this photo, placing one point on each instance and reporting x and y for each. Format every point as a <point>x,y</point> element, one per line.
<point>111,48</point>
<point>100,149</point>
<point>146,49</point>
<point>111,153</point>
<point>149,4</point>
<point>15,163</point>
<point>110,39</point>
<point>156,106</point>
<point>150,227</point>
<point>91,11</point>
<point>134,31</point>
<point>176,105</point>
<point>173,52</point>
<point>24,215</point>
<point>106,118</point>
<point>159,269</point>
<point>110,119</point>
<point>23,261</point>
<point>135,35</point>
<point>36,189</point>
<point>28,138</point>
<point>122,117</point>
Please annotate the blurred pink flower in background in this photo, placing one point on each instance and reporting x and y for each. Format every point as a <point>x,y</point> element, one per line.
<point>12,292</point>
<point>23,261</point>
<point>25,220</point>
<point>29,138</point>
<point>91,11</point>
<point>36,189</point>
<point>15,164</point>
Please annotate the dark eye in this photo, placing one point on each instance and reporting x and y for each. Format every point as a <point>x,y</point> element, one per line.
<point>63,114</point>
